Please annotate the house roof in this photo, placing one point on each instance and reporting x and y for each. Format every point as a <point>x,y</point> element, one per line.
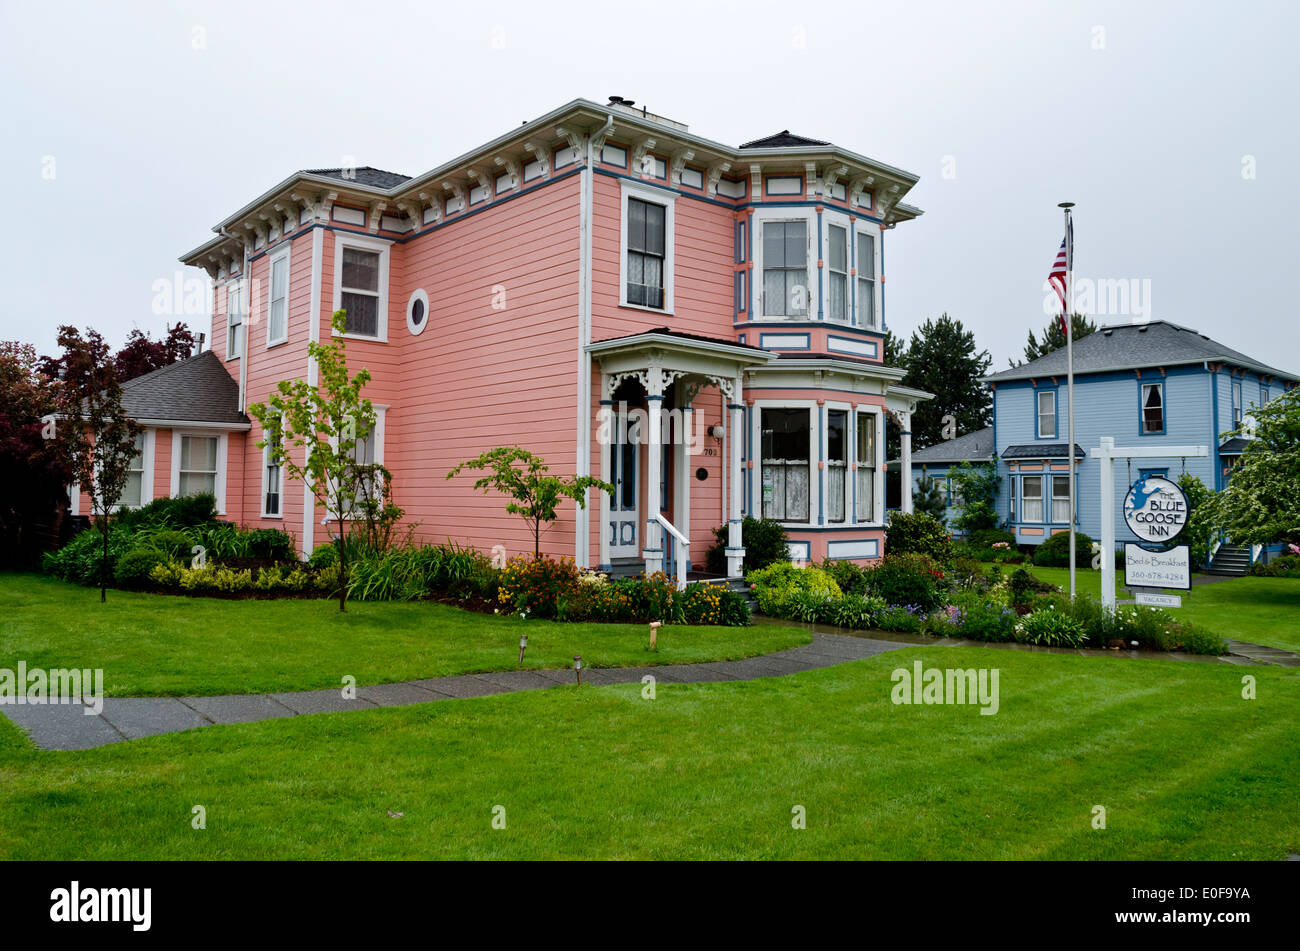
<point>665,332</point>
<point>972,447</point>
<point>365,175</point>
<point>197,390</point>
<point>1234,446</point>
<point>1041,450</point>
<point>1158,343</point>
<point>781,140</point>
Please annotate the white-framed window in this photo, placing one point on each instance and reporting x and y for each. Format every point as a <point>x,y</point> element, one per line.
<point>234,320</point>
<point>1153,408</point>
<point>784,267</point>
<point>1012,516</point>
<point>866,462</point>
<point>838,485</point>
<point>417,312</point>
<point>1236,403</point>
<point>1032,498</point>
<point>272,482</point>
<point>647,241</point>
<point>786,454</point>
<point>837,264</point>
<point>277,299</point>
<point>369,450</point>
<point>199,464</point>
<point>1061,499</point>
<point>135,493</point>
<point>1046,414</point>
<point>866,278</point>
<point>361,285</point>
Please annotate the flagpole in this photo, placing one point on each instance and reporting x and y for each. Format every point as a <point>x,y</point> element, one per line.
<point>1069,377</point>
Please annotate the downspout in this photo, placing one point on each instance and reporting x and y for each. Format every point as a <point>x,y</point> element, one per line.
<point>1216,474</point>
<point>246,303</point>
<point>582,530</point>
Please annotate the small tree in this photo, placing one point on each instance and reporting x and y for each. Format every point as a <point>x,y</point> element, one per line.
<point>535,494</point>
<point>977,488</point>
<point>928,500</point>
<point>1261,504</point>
<point>96,439</point>
<point>327,422</point>
<point>1201,502</point>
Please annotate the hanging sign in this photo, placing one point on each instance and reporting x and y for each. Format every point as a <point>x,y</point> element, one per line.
<point>1156,509</point>
<point>1145,568</point>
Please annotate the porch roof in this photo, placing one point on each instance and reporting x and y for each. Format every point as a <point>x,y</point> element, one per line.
<point>662,337</point>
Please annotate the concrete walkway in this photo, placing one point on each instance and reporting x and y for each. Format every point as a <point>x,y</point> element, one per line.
<point>69,727</point>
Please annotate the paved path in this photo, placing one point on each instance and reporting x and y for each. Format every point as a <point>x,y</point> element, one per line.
<point>70,727</point>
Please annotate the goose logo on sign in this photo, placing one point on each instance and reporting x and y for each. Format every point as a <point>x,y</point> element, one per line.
<point>1156,509</point>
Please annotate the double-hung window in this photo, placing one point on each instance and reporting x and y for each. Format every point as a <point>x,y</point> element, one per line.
<point>1153,408</point>
<point>866,475</point>
<point>1012,509</point>
<point>1236,403</point>
<point>277,312</point>
<point>785,268</point>
<point>133,491</point>
<point>838,265</point>
<point>647,244</point>
<point>198,465</point>
<point>866,279</point>
<point>786,469</point>
<point>1032,498</point>
<point>360,291</point>
<point>1061,499</point>
<point>1047,414</point>
<point>837,465</point>
<point>271,480</point>
<point>234,320</point>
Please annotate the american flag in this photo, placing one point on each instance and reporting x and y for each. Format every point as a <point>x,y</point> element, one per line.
<point>1057,277</point>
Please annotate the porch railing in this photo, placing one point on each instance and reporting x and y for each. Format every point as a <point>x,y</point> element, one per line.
<point>683,555</point>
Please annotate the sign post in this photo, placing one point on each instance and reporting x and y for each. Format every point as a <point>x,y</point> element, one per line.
<point>1106,454</point>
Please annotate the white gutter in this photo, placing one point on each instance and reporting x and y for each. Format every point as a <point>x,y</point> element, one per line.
<point>246,303</point>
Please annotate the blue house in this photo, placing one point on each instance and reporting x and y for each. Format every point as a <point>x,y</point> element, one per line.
<point>1144,384</point>
<point>936,462</point>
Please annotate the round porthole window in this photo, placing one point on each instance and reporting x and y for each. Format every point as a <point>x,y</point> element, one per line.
<point>417,312</point>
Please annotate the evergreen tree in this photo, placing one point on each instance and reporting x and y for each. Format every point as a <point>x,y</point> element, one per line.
<point>928,500</point>
<point>1053,338</point>
<point>942,359</point>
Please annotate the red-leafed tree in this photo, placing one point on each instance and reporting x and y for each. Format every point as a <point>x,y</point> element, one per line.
<point>142,354</point>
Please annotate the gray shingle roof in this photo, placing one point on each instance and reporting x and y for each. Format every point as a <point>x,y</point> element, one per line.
<point>197,390</point>
<point>1130,346</point>
<point>973,447</point>
<point>1041,450</point>
<point>1234,446</point>
<point>782,140</point>
<point>364,175</point>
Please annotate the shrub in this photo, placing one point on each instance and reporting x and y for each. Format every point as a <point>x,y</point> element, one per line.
<point>773,584</point>
<point>857,611</point>
<point>988,537</point>
<point>1197,640</point>
<point>809,607</point>
<point>1055,552</point>
<point>989,621</point>
<point>534,587</point>
<point>135,569</point>
<point>188,511</point>
<point>714,604</point>
<point>765,542</point>
<point>1281,566</point>
<point>167,574</point>
<point>850,577</point>
<point>1050,628</point>
<point>920,533</point>
<point>907,579</point>
<point>171,542</point>
<point>1023,586</point>
<point>1151,628</point>
<point>968,573</point>
<point>79,560</point>
<point>324,556</point>
<point>900,618</point>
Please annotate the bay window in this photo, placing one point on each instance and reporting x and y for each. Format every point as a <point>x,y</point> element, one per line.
<point>1031,493</point>
<point>785,460</point>
<point>866,460</point>
<point>785,268</point>
<point>1061,499</point>
<point>837,464</point>
<point>837,260</point>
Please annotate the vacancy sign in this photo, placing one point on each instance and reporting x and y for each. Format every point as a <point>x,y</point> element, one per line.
<point>1158,600</point>
<point>1144,568</point>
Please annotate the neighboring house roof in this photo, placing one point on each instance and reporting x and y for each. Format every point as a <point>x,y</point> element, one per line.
<point>1158,343</point>
<point>1041,450</point>
<point>365,175</point>
<point>781,140</point>
<point>197,390</point>
<point>973,447</point>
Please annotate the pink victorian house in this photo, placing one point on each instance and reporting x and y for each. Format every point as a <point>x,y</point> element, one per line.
<point>698,324</point>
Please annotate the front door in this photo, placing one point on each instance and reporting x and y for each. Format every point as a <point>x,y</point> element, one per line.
<point>625,458</point>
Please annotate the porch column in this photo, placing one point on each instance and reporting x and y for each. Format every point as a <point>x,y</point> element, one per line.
<point>736,483</point>
<point>682,474</point>
<point>654,550</point>
<point>606,435</point>
<point>905,422</point>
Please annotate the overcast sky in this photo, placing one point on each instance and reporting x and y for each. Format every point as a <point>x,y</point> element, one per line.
<point>131,129</point>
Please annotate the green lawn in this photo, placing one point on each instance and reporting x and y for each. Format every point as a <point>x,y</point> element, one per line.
<point>1185,768</point>
<point>150,645</point>
<point>1259,610</point>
